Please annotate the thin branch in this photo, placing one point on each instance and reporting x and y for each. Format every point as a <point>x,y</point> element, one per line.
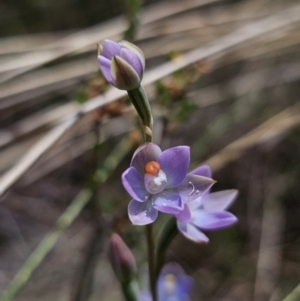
<point>65,220</point>
<point>83,278</point>
<point>294,295</point>
<point>47,244</point>
<point>151,260</point>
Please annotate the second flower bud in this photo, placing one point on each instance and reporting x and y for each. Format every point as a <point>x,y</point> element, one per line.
<point>122,64</point>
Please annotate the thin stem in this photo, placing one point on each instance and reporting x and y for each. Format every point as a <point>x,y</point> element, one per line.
<point>83,278</point>
<point>151,260</point>
<point>130,290</point>
<point>47,244</point>
<point>165,238</point>
<point>294,295</point>
<point>133,8</point>
<point>65,220</point>
<point>139,99</point>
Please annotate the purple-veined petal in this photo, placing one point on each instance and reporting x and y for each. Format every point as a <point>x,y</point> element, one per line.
<point>133,60</point>
<point>172,268</point>
<point>141,213</point>
<point>185,284</point>
<point>145,153</point>
<point>175,162</point>
<point>213,220</point>
<point>123,75</point>
<point>135,49</point>
<point>196,203</point>
<point>219,201</point>
<point>203,170</point>
<point>191,232</point>
<point>193,187</point>
<point>167,202</point>
<point>185,214</point>
<point>105,65</point>
<point>110,49</point>
<point>173,283</point>
<point>134,184</point>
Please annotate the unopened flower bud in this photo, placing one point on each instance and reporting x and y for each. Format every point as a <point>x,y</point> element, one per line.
<point>121,259</point>
<point>122,64</point>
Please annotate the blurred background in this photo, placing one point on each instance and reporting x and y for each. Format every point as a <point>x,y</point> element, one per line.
<point>222,76</point>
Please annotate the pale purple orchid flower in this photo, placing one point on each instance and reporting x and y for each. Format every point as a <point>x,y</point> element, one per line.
<point>172,285</point>
<point>122,64</point>
<point>158,181</point>
<point>208,212</point>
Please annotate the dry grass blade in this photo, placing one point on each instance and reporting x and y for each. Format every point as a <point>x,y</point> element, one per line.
<point>36,152</point>
<point>65,220</point>
<point>66,152</point>
<point>267,271</point>
<point>87,37</point>
<point>272,128</point>
<point>280,22</point>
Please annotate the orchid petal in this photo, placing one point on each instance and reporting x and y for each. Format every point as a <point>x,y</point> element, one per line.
<point>185,284</point>
<point>134,184</point>
<point>105,66</point>
<point>141,213</point>
<point>167,202</point>
<point>203,170</point>
<point>185,214</point>
<point>173,288</point>
<point>213,220</point>
<point>133,60</point>
<point>110,49</point>
<point>191,232</point>
<point>135,49</point>
<point>144,154</point>
<point>193,187</point>
<point>171,268</point>
<point>175,162</point>
<point>219,201</point>
<point>196,203</point>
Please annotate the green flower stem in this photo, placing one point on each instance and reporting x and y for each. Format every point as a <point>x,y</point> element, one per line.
<point>47,244</point>
<point>294,295</point>
<point>65,220</point>
<point>140,101</point>
<point>133,15</point>
<point>165,237</point>
<point>151,260</point>
<point>130,290</point>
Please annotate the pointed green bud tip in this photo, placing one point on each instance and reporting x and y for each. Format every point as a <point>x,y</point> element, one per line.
<point>121,259</point>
